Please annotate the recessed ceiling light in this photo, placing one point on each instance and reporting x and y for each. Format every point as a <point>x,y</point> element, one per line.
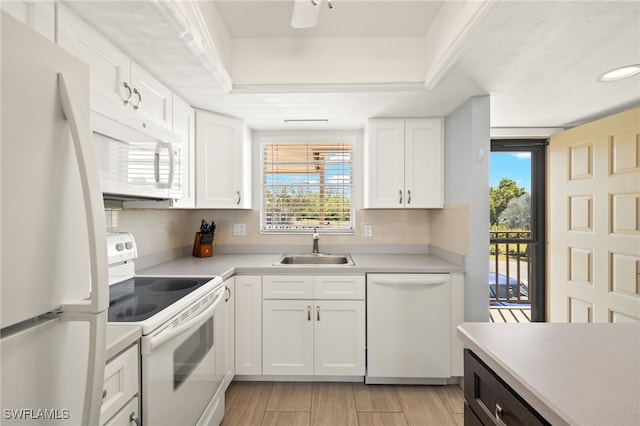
<point>619,73</point>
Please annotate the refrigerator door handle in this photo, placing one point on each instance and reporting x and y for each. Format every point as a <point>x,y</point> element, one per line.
<point>78,119</point>
<point>95,364</point>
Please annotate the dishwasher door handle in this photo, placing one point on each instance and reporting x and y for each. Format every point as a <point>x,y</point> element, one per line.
<point>425,281</point>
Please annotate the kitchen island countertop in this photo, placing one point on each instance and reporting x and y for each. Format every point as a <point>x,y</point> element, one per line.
<point>577,374</point>
<point>227,265</point>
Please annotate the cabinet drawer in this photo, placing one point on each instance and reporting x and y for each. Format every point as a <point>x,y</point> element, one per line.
<point>287,287</point>
<point>129,415</point>
<point>342,287</point>
<point>120,382</point>
<point>491,399</point>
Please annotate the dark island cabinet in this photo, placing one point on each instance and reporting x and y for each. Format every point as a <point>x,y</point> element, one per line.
<point>490,401</point>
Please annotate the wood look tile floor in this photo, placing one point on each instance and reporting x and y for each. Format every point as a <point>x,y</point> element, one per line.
<point>338,404</point>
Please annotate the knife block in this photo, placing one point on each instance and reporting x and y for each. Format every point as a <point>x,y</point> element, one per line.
<point>200,249</point>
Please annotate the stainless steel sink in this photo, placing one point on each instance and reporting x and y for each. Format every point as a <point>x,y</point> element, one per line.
<point>316,259</point>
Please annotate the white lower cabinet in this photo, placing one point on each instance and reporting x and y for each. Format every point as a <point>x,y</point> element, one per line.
<point>229,331</point>
<point>120,404</point>
<point>248,324</point>
<point>127,416</point>
<point>313,336</point>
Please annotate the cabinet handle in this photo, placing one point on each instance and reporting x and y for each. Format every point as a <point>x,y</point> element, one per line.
<point>228,291</point>
<point>126,86</point>
<point>104,394</point>
<point>318,313</point>
<point>136,106</point>
<point>498,415</point>
<point>409,196</point>
<point>308,312</point>
<point>400,202</point>
<point>134,419</point>
<point>239,197</point>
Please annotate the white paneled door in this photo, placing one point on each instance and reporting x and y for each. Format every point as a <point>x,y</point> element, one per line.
<point>594,224</point>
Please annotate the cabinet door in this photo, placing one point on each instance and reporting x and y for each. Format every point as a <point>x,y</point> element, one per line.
<point>37,15</point>
<point>423,177</point>
<point>127,416</point>
<point>229,340</point>
<point>110,69</point>
<point>384,164</point>
<point>248,318</point>
<point>287,337</point>
<point>339,337</point>
<point>221,164</point>
<point>151,99</point>
<point>183,137</point>
<point>121,376</point>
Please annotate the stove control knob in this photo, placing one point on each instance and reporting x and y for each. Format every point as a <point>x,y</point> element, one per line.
<point>128,245</point>
<point>119,247</point>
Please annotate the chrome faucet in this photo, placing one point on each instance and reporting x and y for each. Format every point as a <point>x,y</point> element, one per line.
<point>316,238</point>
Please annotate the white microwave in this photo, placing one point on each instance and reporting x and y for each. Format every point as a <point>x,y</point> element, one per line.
<point>136,164</point>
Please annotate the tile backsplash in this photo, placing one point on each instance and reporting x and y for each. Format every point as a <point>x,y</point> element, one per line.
<point>157,231</point>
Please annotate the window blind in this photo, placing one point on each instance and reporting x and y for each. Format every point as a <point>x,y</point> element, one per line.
<point>307,186</point>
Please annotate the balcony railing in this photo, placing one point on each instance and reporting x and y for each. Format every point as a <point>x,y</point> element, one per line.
<point>509,266</point>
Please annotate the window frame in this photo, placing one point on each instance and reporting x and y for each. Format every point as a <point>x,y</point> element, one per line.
<point>299,138</point>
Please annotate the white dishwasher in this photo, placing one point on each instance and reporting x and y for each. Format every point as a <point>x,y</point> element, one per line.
<point>408,328</point>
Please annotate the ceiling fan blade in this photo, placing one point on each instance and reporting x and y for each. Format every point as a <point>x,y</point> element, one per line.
<point>305,13</point>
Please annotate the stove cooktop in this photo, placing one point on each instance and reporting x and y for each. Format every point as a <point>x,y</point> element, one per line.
<point>139,298</point>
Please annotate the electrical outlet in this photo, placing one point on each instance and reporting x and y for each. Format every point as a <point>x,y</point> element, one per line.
<point>368,230</point>
<point>239,229</point>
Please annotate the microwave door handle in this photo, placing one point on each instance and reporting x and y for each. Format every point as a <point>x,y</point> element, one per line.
<point>151,343</point>
<point>78,119</point>
<point>172,165</point>
<point>156,165</point>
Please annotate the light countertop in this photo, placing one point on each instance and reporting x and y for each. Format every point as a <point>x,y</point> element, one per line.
<point>577,374</point>
<point>227,265</point>
<point>120,337</point>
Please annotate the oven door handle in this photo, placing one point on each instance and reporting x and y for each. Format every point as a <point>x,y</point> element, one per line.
<point>150,343</point>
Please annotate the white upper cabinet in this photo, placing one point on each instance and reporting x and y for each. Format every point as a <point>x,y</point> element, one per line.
<point>183,142</point>
<point>223,162</point>
<point>37,15</point>
<point>120,88</point>
<point>403,163</point>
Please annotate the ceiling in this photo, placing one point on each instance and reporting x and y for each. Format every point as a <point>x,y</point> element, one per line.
<point>537,60</point>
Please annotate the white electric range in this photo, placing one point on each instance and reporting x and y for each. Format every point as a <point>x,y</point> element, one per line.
<point>177,314</point>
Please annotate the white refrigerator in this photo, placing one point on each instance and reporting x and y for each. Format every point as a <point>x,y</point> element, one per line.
<point>54,289</point>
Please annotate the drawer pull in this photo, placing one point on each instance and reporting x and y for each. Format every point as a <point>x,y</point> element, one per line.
<point>308,313</point>
<point>134,419</point>
<point>104,394</point>
<point>318,313</point>
<point>498,414</point>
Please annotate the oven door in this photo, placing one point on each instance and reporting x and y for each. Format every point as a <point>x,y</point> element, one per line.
<point>179,372</point>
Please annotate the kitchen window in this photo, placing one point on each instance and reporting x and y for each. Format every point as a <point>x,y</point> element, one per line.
<point>307,185</point>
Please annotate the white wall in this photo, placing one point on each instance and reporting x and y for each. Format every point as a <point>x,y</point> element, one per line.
<point>467,149</point>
